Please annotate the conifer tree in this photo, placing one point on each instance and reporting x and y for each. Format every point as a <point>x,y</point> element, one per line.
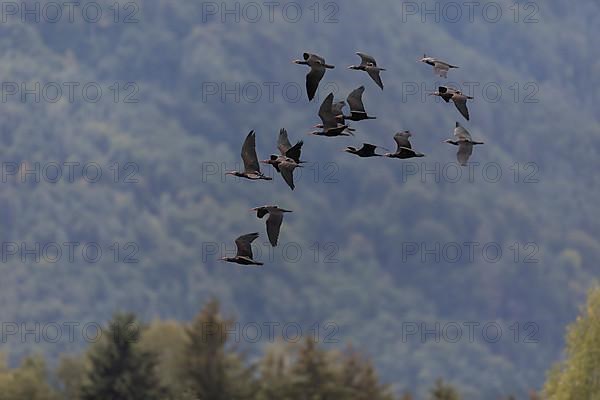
<point>118,369</point>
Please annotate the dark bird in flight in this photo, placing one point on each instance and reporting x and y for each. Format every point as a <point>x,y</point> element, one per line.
<point>404,149</point>
<point>285,166</point>
<point>251,165</point>
<point>244,251</point>
<point>286,149</point>
<point>317,71</point>
<point>289,159</point>
<point>367,150</point>
<point>330,126</point>
<point>357,108</point>
<point>369,65</point>
<point>464,142</point>
<point>273,222</point>
<point>458,98</point>
<point>440,67</point>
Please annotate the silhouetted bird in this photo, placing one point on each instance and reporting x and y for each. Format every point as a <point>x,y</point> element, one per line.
<point>273,222</point>
<point>357,108</point>
<point>289,159</point>
<point>286,149</point>
<point>404,149</point>
<point>459,99</point>
<point>317,71</point>
<point>251,165</point>
<point>244,251</point>
<point>464,142</point>
<point>330,124</point>
<point>369,65</point>
<point>440,67</point>
<point>367,150</point>
<point>285,166</point>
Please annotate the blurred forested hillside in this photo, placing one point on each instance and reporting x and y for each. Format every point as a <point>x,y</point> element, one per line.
<point>167,132</point>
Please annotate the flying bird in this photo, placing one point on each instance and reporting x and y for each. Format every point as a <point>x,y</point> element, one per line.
<point>330,126</point>
<point>464,142</point>
<point>458,98</point>
<point>404,149</point>
<point>440,67</point>
<point>317,71</point>
<point>285,166</point>
<point>367,150</point>
<point>273,222</point>
<point>289,159</point>
<point>357,108</point>
<point>251,165</point>
<point>286,149</point>
<point>369,65</point>
<point>244,251</point>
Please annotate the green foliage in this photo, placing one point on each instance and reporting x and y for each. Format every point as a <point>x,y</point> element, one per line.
<point>118,369</point>
<point>443,391</point>
<point>578,376</point>
<point>212,372</point>
<point>29,381</point>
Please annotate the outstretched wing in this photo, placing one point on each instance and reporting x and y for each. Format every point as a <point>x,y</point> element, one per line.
<point>287,172</point>
<point>312,80</point>
<point>249,154</point>
<point>402,141</point>
<point>374,74</point>
<point>465,149</point>
<point>368,148</point>
<point>326,113</point>
<point>244,244</point>
<point>367,60</point>
<point>355,100</point>
<point>461,134</point>
<point>273,227</point>
<point>295,152</point>
<point>461,104</point>
<point>441,69</point>
<point>283,143</point>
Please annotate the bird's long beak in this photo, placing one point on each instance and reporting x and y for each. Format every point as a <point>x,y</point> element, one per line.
<point>264,161</point>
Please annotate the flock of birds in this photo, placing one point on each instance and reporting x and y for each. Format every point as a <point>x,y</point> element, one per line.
<point>334,124</point>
